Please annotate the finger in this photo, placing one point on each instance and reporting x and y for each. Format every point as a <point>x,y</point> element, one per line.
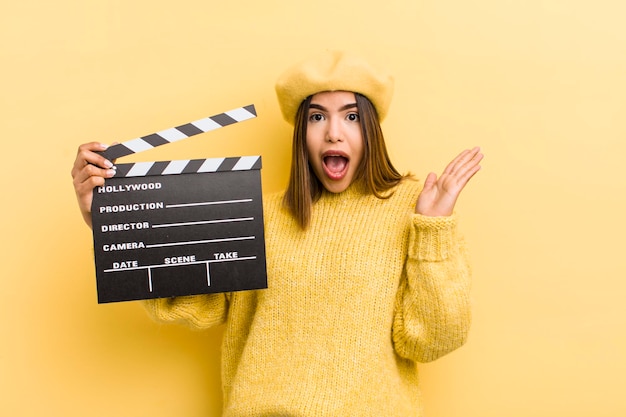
<point>84,194</point>
<point>468,175</point>
<point>468,171</point>
<point>459,159</point>
<point>88,154</point>
<point>469,161</point>
<point>84,184</point>
<point>88,171</point>
<point>86,187</point>
<point>430,181</point>
<point>465,160</point>
<point>86,181</point>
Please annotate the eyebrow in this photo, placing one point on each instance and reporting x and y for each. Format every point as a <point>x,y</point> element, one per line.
<point>342,108</point>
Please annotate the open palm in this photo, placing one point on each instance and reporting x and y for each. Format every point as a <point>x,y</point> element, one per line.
<point>439,195</point>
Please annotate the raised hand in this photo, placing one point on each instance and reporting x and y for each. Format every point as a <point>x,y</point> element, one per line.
<point>439,195</point>
<point>89,171</point>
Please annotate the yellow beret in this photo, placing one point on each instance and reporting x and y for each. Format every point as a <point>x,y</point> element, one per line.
<point>333,71</point>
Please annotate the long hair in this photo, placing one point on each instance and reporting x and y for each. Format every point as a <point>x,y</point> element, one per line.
<point>375,172</point>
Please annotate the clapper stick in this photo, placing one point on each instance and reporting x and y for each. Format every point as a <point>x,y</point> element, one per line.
<point>188,166</point>
<point>180,132</point>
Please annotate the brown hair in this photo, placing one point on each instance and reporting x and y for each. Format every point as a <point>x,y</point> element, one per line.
<point>376,172</point>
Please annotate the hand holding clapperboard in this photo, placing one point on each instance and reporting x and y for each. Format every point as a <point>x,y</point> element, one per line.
<point>173,228</point>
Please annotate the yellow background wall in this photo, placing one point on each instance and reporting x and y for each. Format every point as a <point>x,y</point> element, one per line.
<point>539,84</point>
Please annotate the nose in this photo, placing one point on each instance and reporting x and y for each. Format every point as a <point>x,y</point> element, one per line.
<point>333,133</point>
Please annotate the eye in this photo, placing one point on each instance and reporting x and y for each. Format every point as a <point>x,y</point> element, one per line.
<point>353,117</point>
<point>316,117</point>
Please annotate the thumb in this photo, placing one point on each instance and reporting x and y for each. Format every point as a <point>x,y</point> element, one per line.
<point>431,180</point>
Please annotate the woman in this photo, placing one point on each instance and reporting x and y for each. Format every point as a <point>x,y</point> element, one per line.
<point>366,273</point>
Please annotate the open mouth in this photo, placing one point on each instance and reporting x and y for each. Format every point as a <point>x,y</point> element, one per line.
<point>335,165</point>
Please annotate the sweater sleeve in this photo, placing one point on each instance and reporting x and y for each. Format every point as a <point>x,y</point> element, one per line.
<point>432,313</point>
<point>196,311</point>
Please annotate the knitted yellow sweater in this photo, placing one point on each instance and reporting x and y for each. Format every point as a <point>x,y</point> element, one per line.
<point>353,302</point>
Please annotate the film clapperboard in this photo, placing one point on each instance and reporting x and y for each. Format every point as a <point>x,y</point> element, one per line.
<point>184,227</point>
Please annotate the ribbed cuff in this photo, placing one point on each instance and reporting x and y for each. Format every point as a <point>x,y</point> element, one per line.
<point>432,238</point>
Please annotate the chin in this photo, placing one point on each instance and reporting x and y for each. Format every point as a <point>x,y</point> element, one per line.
<point>336,188</point>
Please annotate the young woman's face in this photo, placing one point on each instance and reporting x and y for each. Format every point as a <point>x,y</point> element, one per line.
<point>334,139</point>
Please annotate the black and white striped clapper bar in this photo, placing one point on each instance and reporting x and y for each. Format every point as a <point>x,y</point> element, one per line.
<point>183,227</point>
